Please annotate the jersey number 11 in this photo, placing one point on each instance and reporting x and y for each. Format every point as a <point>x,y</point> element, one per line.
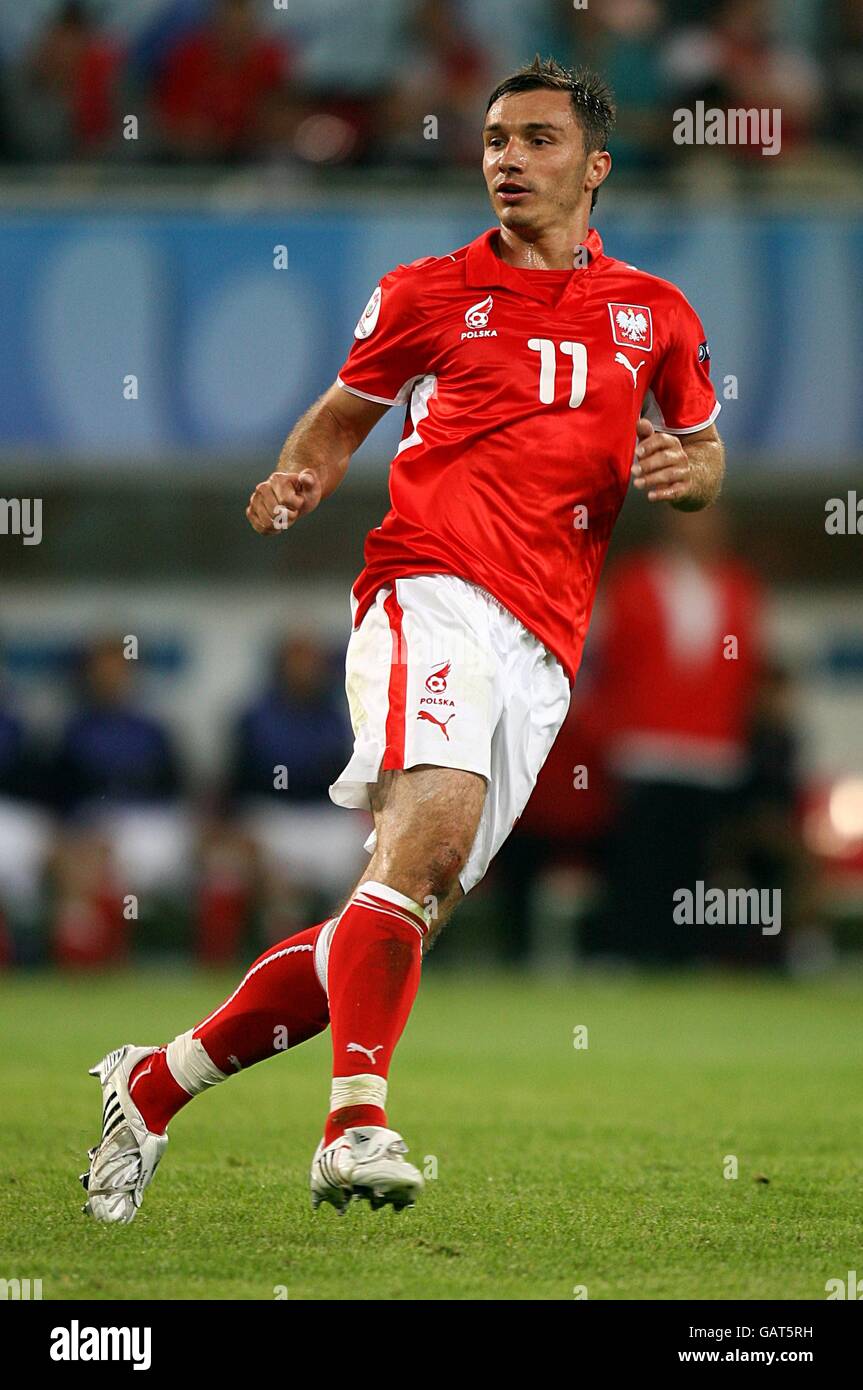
<point>548,369</point>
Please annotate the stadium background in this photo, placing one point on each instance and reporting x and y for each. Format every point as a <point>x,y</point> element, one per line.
<point>218,248</point>
<point>221,254</point>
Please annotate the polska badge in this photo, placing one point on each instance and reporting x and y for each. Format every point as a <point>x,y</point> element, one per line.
<point>632,325</point>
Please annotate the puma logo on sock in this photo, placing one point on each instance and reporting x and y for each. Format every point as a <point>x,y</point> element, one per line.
<point>369,1051</point>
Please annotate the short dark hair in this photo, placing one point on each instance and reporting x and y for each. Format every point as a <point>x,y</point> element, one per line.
<point>591,96</point>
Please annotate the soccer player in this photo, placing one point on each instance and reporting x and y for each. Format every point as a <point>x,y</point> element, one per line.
<point>533,367</point>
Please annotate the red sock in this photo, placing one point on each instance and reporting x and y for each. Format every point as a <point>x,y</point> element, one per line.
<point>278,1004</point>
<point>155,1092</point>
<point>372,978</point>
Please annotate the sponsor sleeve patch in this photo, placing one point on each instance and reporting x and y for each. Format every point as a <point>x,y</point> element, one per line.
<point>368,321</point>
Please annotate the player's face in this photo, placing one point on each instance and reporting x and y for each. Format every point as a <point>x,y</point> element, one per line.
<point>535,162</point>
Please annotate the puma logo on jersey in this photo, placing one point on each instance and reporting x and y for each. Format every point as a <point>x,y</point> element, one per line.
<point>424,714</point>
<point>368,1051</point>
<point>625,362</point>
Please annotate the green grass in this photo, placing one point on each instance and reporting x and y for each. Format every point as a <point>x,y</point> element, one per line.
<point>556,1167</point>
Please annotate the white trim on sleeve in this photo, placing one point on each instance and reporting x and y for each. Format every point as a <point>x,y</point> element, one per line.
<point>693,429</point>
<point>379,400</point>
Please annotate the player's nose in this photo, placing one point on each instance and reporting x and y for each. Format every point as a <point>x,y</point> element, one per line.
<point>512,157</point>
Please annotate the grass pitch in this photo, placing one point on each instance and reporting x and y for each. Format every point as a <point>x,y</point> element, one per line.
<point>556,1166</point>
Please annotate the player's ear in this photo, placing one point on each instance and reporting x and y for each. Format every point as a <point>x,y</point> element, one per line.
<point>598,169</point>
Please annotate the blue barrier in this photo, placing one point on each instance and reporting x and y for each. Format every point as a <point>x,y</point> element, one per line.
<point>227,350</point>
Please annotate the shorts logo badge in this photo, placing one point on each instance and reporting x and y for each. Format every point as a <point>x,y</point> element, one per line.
<point>424,714</point>
<point>436,682</point>
<point>632,325</point>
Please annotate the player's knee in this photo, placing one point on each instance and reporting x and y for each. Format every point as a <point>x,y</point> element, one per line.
<point>423,867</point>
<point>444,866</point>
<point>425,876</point>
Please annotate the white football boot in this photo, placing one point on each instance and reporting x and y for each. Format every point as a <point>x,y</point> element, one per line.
<point>366,1162</point>
<point>126,1157</point>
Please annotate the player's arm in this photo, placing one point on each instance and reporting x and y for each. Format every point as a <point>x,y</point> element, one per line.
<point>314,459</point>
<point>687,472</point>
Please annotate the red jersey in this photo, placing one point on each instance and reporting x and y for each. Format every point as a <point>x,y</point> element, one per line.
<point>523,388</point>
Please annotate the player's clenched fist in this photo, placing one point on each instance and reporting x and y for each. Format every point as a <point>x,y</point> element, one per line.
<point>661,465</point>
<point>276,503</point>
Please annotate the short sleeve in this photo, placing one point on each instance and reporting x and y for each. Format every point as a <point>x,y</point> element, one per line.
<point>684,400</point>
<point>390,348</point>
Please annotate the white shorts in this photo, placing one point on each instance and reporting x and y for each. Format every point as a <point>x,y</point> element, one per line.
<point>439,673</point>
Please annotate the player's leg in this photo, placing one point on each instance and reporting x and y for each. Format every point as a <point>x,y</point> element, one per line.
<point>279,1003</point>
<point>422,685</point>
<point>384,799</point>
<point>426,821</point>
<point>437,830</point>
<point>285,991</point>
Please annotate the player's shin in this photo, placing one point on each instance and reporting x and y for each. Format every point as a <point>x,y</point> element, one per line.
<point>279,1003</point>
<point>372,975</point>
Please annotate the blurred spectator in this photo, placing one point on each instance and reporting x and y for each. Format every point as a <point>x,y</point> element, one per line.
<point>444,79</point>
<point>680,650</point>
<point>348,49</point>
<point>623,39</point>
<point>737,59</point>
<point>282,841</point>
<point>62,99</point>
<point>846,74</point>
<point>161,30</point>
<point>24,828</point>
<point>215,83</point>
<point>564,825</point>
<point>329,82</point>
<point>509,32</point>
<point>771,848</point>
<point>348,57</point>
<point>111,753</point>
<point>116,782</point>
